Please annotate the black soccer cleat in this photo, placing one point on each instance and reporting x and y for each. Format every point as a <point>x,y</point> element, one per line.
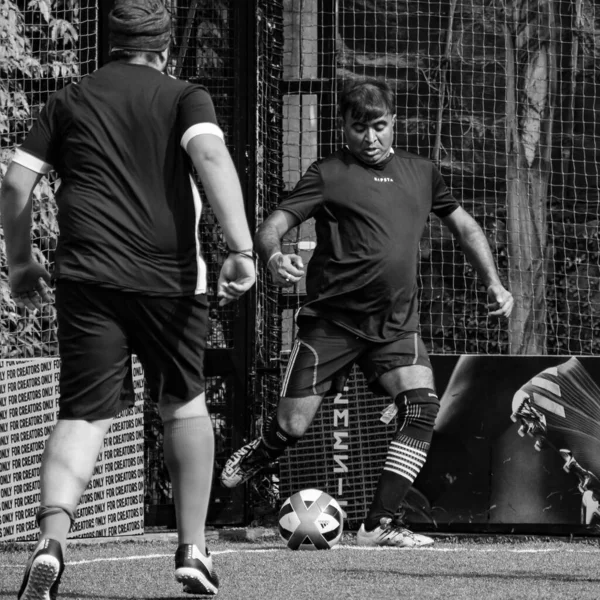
<point>245,463</point>
<point>44,570</point>
<point>195,571</point>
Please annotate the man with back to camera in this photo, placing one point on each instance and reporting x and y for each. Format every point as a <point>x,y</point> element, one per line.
<point>370,205</point>
<point>129,275</point>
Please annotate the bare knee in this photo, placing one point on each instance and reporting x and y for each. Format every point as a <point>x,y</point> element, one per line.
<point>295,425</point>
<point>171,411</point>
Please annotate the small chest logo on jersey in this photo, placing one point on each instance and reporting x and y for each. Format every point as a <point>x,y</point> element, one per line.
<point>383,179</point>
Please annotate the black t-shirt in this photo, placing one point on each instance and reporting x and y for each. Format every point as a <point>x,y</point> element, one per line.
<point>128,205</point>
<point>368,222</point>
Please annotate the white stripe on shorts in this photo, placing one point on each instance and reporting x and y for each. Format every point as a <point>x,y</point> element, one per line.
<point>416,341</point>
<point>290,367</point>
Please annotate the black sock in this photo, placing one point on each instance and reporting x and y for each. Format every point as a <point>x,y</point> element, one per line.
<point>275,440</point>
<point>391,490</point>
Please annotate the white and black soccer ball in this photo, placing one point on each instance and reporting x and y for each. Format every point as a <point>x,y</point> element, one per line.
<point>311,520</point>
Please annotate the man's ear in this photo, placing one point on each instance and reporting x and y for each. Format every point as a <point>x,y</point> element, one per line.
<point>164,58</point>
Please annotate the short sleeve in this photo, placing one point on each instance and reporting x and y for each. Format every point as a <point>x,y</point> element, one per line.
<point>38,150</point>
<point>197,115</point>
<point>442,202</point>
<point>307,197</point>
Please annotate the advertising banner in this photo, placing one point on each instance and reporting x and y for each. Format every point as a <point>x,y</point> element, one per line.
<point>113,503</point>
<point>516,447</point>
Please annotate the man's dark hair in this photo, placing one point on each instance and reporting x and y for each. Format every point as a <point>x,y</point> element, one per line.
<point>366,99</point>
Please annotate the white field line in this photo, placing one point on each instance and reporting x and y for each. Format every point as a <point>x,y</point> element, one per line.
<point>338,549</point>
<point>142,557</point>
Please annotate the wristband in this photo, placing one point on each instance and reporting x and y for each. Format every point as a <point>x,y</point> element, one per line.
<point>273,256</point>
<point>249,253</point>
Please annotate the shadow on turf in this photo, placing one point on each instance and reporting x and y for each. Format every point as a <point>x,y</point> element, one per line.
<point>508,576</point>
<point>12,594</point>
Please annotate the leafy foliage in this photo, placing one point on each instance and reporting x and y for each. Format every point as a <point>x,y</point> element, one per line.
<point>38,55</point>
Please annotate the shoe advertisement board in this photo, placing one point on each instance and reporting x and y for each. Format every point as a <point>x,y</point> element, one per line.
<point>516,448</point>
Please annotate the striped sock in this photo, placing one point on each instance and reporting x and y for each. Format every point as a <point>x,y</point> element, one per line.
<point>404,460</point>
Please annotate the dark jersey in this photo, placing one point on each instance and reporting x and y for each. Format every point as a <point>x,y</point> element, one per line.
<point>368,222</point>
<point>128,206</point>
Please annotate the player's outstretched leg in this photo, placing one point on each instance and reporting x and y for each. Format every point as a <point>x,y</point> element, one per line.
<point>255,456</point>
<point>245,463</point>
<point>391,533</point>
<point>195,571</point>
<point>43,572</point>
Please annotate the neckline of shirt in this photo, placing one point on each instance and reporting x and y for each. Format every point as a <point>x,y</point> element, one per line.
<point>378,167</point>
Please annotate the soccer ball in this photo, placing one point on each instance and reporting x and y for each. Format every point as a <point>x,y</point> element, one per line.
<point>311,520</point>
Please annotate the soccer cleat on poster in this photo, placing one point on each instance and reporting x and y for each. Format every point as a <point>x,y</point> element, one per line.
<point>560,409</point>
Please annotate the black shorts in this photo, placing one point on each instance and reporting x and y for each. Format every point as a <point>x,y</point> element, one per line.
<point>324,353</point>
<point>98,331</point>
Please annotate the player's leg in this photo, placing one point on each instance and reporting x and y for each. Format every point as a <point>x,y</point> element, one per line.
<point>274,440</point>
<point>410,383</point>
<point>321,351</point>
<point>169,337</point>
<point>189,456</point>
<point>94,363</point>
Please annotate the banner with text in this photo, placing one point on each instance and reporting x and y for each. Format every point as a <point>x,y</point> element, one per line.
<point>113,503</point>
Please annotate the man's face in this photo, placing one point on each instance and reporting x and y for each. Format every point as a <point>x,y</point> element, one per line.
<point>370,141</point>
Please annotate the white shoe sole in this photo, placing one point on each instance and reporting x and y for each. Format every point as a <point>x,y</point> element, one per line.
<point>195,582</point>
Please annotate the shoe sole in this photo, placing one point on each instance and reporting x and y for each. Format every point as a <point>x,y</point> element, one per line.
<point>42,576</point>
<point>194,582</point>
<point>376,545</point>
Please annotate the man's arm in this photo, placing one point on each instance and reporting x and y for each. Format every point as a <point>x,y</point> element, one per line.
<point>474,244</point>
<point>285,269</point>
<point>223,191</point>
<point>222,187</point>
<point>28,279</point>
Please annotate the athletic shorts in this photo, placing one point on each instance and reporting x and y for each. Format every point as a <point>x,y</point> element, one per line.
<point>100,328</point>
<point>324,353</point>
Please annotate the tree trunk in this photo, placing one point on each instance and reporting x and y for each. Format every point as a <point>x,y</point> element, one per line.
<point>529,115</point>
